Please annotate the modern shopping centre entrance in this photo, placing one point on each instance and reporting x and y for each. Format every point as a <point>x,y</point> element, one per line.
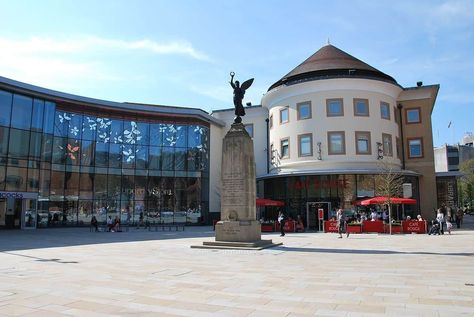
<point>18,210</point>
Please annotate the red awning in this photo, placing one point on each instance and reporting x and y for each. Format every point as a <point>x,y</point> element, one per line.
<point>269,202</point>
<point>380,200</point>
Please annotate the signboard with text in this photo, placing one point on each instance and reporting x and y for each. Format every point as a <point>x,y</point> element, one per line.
<point>414,226</point>
<point>330,226</point>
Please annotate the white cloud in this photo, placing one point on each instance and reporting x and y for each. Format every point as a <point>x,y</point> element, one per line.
<point>85,44</point>
<point>78,61</point>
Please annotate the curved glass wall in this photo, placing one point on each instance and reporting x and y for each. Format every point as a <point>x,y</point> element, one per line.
<point>84,164</point>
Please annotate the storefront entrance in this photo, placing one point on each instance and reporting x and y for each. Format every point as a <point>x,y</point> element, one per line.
<point>312,209</point>
<point>18,210</point>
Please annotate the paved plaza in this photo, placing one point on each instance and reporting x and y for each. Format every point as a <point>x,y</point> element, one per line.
<point>74,272</point>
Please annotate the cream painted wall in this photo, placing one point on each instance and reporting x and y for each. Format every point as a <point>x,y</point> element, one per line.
<point>215,161</point>
<point>441,159</point>
<point>317,92</point>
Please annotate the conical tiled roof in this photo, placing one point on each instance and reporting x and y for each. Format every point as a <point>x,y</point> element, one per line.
<point>331,62</point>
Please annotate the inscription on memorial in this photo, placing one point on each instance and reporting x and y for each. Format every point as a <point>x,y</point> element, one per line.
<point>230,231</point>
<point>232,193</point>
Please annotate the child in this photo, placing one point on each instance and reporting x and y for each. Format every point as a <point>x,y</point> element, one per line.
<point>449,225</point>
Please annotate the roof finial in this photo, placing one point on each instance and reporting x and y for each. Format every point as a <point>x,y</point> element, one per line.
<point>329,42</point>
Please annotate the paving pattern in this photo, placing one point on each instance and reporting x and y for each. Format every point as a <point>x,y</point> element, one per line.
<point>73,272</point>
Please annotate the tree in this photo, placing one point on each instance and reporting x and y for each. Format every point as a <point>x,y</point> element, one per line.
<point>467,181</point>
<point>389,182</point>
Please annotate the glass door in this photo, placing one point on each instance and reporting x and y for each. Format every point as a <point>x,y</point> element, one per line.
<point>312,214</point>
<point>29,214</point>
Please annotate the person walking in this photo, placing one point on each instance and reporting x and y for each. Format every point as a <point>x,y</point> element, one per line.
<point>341,222</point>
<point>440,218</point>
<point>281,221</point>
<point>459,215</point>
<point>449,225</point>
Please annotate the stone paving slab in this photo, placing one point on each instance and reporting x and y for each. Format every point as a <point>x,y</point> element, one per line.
<point>73,272</point>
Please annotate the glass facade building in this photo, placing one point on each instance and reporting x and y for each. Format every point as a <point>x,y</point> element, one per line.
<point>62,163</point>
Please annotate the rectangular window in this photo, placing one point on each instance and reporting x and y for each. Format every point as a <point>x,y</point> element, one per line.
<point>387,144</point>
<point>5,107</point>
<point>336,143</point>
<point>413,115</point>
<point>415,148</point>
<point>285,148</point>
<point>249,129</point>
<point>141,158</point>
<point>361,107</point>
<point>37,117</point>
<point>16,179</point>
<point>35,146</point>
<point>363,142</point>
<point>334,107</point>
<point>86,181</point>
<point>304,110</point>
<point>284,115</point>
<point>48,117</point>
<point>154,158</point>
<point>271,121</point>
<point>305,145</point>
<point>21,112</point>
<point>272,154</point>
<point>384,110</point>
<point>19,144</point>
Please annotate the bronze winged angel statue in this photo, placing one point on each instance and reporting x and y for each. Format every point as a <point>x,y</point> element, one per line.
<point>239,92</point>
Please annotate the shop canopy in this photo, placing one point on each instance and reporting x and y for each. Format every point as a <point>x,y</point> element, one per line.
<point>380,200</point>
<point>269,202</point>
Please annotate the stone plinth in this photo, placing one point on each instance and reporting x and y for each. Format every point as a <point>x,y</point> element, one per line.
<point>238,231</point>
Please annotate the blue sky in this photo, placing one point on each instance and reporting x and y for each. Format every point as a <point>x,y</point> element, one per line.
<point>181,52</point>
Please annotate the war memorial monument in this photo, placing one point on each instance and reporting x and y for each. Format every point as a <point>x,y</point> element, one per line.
<point>238,227</point>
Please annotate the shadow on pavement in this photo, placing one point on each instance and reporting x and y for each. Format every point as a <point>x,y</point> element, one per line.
<point>14,240</point>
<point>355,251</point>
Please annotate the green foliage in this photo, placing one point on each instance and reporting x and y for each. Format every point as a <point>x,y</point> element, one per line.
<point>466,186</point>
<point>467,168</point>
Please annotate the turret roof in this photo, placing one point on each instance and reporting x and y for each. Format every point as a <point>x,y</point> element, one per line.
<point>330,62</point>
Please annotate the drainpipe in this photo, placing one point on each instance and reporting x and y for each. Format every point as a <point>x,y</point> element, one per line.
<point>402,145</point>
<point>268,145</point>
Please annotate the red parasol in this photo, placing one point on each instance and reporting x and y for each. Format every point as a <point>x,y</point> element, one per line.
<point>380,200</point>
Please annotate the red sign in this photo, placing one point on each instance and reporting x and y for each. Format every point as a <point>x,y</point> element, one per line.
<point>330,226</point>
<point>316,183</point>
<point>321,213</point>
<point>414,226</point>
